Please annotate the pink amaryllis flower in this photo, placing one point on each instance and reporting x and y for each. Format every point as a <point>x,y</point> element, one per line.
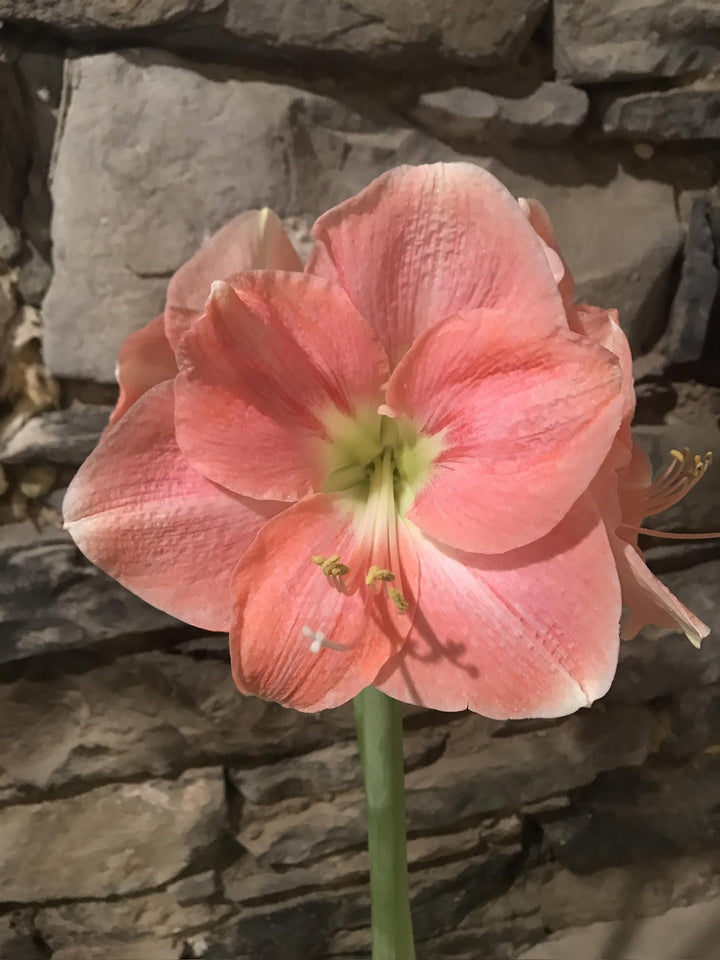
<point>624,488</point>
<point>378,471</point>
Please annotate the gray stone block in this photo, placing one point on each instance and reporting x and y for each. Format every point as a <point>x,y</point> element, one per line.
<point>52,598</point>
<point>144,715</point>
<point>115,839</point>
<point>548,115</point>
<point>599,40</point>
<point>407,30</point>
<point>61,436</point>
<point>696,306</point>
<point>658,116</point>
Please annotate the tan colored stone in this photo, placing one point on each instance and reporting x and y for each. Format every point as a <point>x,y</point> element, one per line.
<point>111,840</point>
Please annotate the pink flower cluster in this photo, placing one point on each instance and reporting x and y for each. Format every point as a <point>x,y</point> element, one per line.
<point>407,465</point>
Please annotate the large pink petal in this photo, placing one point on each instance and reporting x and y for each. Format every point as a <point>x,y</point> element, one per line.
<point>531,633</point>
<point>254,240</point>
<point>138,510</point>
<point>648,600</point>
<point>281,596</point>
<point>524,426</point>
<point>145,359</point>
<point>272,358</point>
<point>422,243</point>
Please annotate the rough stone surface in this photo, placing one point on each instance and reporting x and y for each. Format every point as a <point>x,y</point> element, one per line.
<point>694,721</point>
<point>10,243</point>
<point>687,931</point>
<point>565,898</point>
<point>644,814</point>
<point>41,75</point>
<point>459,112</point>
<point>300,835</point>
<point>550,114</point>
<point>475,778</point>
<point>16,147</point>
<point>51,599</point>
<point>147,714</point>
<point>115,839</point>
<point>329,770</point>
<point>17,940</point>
<point>79,14</point>
<point>157,914</point>
<point>694,325</point>
<point>8,308</point>
<point>464,31</point>
<point>599,40</point>
<point>61,436</point>
<point>660,115</point>
<point>133,948</point>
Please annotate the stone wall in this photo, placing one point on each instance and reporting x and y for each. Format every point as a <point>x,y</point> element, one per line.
<point>146,809</point>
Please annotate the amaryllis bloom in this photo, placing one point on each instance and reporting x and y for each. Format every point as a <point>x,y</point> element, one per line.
<point>624,488</point>
<point>378,471</point>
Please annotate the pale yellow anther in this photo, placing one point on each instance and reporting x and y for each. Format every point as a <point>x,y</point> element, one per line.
<point>398,599</point>
<point>693,467</point>
<point>331,566</point>
<point>378,573</point>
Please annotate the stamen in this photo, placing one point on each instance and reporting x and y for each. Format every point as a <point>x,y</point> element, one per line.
<point>678,479</point>
<point>376,573</point>
<point>333,569</point>
<point>398,599</point>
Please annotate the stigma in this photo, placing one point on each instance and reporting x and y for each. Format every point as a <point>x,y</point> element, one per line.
<point>318,641</point>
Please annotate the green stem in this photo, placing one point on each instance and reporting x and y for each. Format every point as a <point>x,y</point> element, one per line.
<point>379,729</point>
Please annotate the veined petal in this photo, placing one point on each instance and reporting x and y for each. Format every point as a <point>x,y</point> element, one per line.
<point>531,633</point>
<point>273,356</point>
<point>138,510</point>
<point>283,599</point>
<point>649,600</point>
<point>254,240</point>
<point>423,243</point>
<point>523,423</point>
<point>145,359</point>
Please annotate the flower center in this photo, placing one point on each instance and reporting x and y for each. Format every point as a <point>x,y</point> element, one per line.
<point>375,464</point>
